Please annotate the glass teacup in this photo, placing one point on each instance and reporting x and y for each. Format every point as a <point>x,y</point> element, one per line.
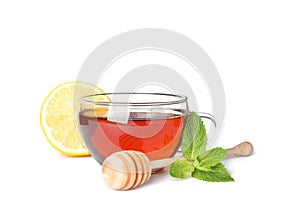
<point>152,123</point>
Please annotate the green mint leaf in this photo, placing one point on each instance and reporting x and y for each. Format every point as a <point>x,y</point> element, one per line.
<point>218,174</point>
<point>200,141</point>
<point>181,169</point>
<point>212,157</point>
<point>197,165</point>
<point>194,138</point>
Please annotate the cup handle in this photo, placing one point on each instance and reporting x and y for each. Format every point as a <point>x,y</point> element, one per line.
<point>210,117</point>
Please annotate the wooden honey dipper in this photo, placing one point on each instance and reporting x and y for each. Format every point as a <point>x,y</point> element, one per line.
<point>126,170</point>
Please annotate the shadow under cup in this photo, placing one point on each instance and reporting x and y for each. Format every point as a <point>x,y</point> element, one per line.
<point>151,123</point>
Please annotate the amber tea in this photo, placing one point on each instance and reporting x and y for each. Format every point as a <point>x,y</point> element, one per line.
<point>151,123</point>
<point>157,135</point>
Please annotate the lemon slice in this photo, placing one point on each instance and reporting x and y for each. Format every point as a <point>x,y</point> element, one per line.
<point>59,115</point>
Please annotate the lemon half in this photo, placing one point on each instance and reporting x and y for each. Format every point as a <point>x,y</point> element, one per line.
<point>59,114</point>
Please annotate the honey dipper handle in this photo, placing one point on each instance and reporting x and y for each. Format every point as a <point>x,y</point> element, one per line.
<point>157,164</point>
<point>242,149</point>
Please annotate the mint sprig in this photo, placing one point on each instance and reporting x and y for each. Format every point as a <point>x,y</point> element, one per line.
<point>201,164</point>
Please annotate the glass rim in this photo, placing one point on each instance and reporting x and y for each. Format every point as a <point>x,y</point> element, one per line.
<point>181,99</point>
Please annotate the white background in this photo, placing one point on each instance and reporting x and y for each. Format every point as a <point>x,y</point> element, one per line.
<point>254,44</point>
